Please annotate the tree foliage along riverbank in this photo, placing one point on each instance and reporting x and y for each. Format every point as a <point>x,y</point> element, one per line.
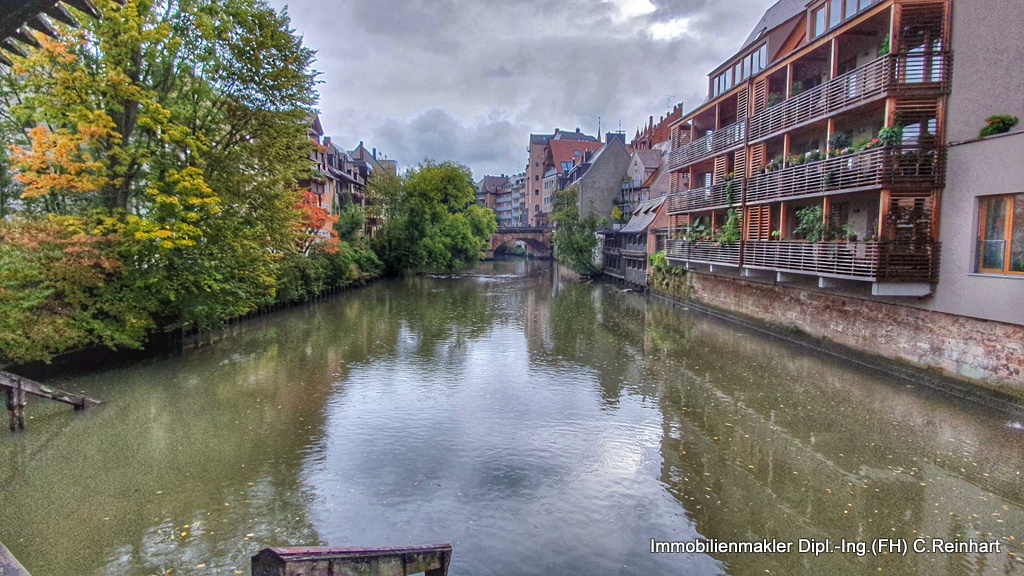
<point>151,177</point>
<point>432,219</point>
<point>574,237</point>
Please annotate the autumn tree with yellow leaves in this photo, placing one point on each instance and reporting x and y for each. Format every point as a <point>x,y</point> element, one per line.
<point>152,176</point>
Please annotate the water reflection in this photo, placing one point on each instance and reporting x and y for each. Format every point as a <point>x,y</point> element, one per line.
<point>543,427</point>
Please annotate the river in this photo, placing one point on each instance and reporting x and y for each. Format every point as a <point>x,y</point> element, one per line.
<point>541,427</point>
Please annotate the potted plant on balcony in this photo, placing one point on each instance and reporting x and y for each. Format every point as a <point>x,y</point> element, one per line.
<point>890,136</point>
<point>998,124</point>
<point>883,50</point>
<point>810,223</point>
<point>838,142</point>
<point>729,233</point>
<point>773,99</point>
<point>729,178</point>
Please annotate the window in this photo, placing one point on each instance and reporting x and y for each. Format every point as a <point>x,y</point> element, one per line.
<point>575,152</point>
<point>1001,235</point>
<point>835,13</point>
<point>536,178</point>
<point>818,22</point>
<point>851,8</point>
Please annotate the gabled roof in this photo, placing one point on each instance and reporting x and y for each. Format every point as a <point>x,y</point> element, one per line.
<point>491,184</point>
<point>777,15</point>
<point>314,124</point>
<point>643,215</point>
<point>575,136</point>
<point>18,16</point>
<point>649,158</point>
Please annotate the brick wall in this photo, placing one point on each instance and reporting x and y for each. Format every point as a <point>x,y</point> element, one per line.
<point>986,352</point>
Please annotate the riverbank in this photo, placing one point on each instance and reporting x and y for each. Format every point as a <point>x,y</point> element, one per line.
<point>164,342</point>
<point>825,336</point>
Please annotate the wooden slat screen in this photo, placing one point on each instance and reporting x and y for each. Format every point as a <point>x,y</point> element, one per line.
<point>759,223</point>
<point>757,153</point>
<point>742,105</point>
<point>760,94</point>
<point>721,169</point>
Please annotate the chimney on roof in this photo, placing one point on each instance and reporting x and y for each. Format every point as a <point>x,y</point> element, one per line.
<point>374,153</point>
<point>577,129</point>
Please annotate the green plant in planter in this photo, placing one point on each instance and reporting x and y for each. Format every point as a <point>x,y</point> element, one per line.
<point>796,159</point>
<point>840,140</point>
<point>891,136</point>
<point>883,50</point>
<point>814,155</point>
<point>797,88</point>
<point>776,234</point>
<point>811,223</point>
<point>999,124</point>
<point>659,261</point>
<point>617,214</point>
<point>729,233</point>
<point>774,98</point>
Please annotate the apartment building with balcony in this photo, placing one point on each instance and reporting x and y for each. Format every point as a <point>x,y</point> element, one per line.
<point>836,150</point>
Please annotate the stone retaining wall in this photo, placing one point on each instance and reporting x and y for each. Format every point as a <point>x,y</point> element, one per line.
<point>984,352</point>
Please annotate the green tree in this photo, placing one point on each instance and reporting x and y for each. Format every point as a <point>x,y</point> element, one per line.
<point>350,222</point>
<point>433,220</point>
<point>574,238</point>
<point>183,122</point>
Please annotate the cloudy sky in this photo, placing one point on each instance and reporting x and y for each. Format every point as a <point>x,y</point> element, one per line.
<point>469,80</point>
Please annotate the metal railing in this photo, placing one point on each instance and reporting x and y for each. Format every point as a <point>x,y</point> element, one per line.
<point>871,261</point>
<point>897,74</point>
<point>714,143</point>
<point>720,195</point>
<point>703,252</point>
<point>895,167</point>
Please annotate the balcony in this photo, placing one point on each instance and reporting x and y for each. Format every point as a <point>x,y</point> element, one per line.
<point>923,73</point>
<point>888,262</point>
<point>896,168</point>
<point>703,252</point>
<point>719,141</point>
<point>716,196</point>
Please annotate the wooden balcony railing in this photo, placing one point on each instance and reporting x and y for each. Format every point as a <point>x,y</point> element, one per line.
<point>869,261</point>
<point>896,167</point>
<point>895,74</point>
<point>715,143</point>
<point>703,252</point>
<point>717,196</point>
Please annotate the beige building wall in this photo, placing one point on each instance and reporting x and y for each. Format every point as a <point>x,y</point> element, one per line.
<point>988,79</point>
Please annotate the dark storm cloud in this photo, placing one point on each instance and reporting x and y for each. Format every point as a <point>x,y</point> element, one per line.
<point>469,80</point>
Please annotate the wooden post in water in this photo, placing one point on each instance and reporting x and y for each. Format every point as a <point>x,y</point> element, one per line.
<point>12,408</point>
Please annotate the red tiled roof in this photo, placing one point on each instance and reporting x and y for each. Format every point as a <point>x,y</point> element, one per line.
<point>564,151</point>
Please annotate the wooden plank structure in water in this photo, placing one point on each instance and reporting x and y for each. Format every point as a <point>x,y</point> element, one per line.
<point>322,561</point>
<point>17,389</point>
<point>9,565</point>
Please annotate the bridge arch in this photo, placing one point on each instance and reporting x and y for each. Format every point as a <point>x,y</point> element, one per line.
<point>538,239</point>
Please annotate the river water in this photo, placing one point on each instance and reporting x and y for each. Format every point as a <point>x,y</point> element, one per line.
<point>541,427</point>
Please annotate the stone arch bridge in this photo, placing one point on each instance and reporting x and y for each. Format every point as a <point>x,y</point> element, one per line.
<point>538,239</point>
